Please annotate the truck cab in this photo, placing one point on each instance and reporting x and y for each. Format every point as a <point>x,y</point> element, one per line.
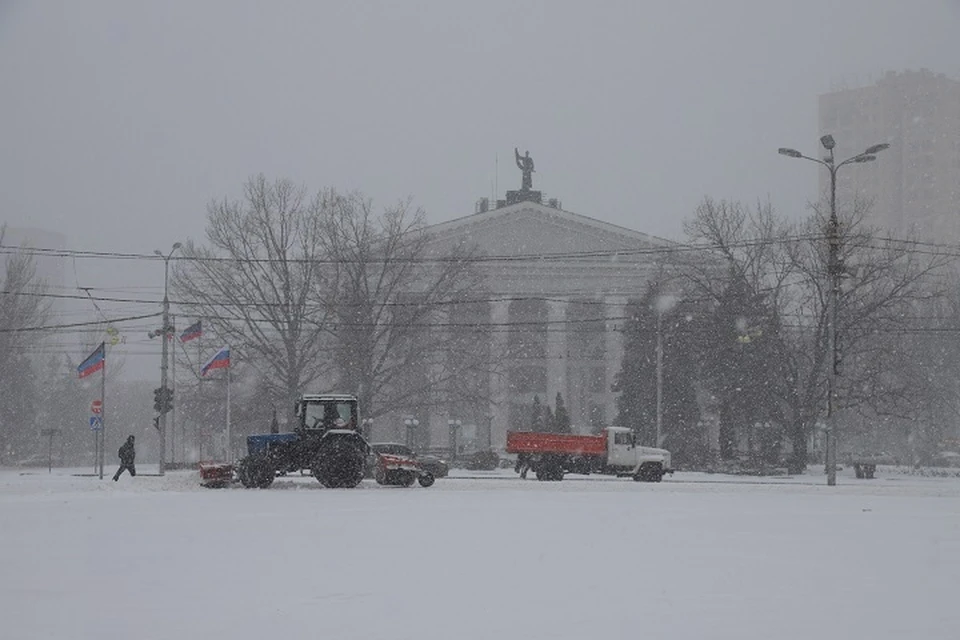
<point>625,457</point>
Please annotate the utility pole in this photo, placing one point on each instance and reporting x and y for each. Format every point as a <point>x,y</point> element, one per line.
<point>164,351</point>
<point>659,377</point>
<point>834,272</point>
<point>833,302</point>
<point>171,335</point>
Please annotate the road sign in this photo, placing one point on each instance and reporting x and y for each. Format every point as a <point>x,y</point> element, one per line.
<point>96,407</point>
<point>96,423</point>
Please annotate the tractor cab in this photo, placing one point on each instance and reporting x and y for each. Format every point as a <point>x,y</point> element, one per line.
<point>320,413</point>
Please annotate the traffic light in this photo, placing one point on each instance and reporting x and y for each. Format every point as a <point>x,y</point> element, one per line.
<point>163,400</point>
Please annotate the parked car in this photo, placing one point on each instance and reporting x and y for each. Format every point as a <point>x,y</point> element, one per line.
<point>437,467</point>
<point>481,461</point>
<point>947,459</point>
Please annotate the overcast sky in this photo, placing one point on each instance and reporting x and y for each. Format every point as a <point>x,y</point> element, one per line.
<point>120,120</point>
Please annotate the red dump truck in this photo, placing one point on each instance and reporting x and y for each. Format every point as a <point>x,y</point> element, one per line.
<point>613,451</point>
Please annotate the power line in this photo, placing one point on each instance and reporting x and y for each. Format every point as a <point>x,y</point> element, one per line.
<point>673,248</point>
<point>73,325</point>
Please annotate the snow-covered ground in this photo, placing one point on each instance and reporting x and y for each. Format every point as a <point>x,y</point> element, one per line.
<point>489,556</point>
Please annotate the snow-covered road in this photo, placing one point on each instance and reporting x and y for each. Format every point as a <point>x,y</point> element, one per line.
<point>485,557</point>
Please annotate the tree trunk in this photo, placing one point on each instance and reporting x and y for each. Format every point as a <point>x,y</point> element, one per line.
<point>728,432</point>
<point>798,438</point>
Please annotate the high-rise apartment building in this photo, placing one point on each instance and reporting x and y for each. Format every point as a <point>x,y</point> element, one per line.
<point>915,184</point>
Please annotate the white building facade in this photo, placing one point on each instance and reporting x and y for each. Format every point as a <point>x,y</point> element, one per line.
<point>557,286</point>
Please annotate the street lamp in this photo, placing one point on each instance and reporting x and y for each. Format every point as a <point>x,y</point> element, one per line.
<point>454,424</point>
<point>412,423</point>
<point>834,269</point>
<point>163,350</point>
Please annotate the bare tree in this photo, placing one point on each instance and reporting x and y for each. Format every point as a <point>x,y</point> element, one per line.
<point>22,306</point>
<point>788,266</point>
<point>400,346</point>
<point>256,284</point>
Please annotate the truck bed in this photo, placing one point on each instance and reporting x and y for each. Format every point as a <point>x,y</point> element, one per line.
<point>566,443</point>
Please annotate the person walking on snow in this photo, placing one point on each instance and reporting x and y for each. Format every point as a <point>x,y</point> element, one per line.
<point>127,455</point>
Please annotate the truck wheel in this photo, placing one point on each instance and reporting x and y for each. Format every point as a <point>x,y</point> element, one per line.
<point>426,479</point>
<point>550,468</point>
<point>649,472</point>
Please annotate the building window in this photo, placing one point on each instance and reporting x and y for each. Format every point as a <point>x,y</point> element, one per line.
<point>586,330</point>
<point>527,336</point>
<point>598,418</point>
<point>597,382</point>
<point>528,379</point>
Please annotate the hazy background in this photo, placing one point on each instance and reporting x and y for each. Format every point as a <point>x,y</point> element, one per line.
<point>120,120</point>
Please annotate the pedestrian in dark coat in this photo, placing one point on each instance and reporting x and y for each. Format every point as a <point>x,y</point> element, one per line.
<point>127,456</point>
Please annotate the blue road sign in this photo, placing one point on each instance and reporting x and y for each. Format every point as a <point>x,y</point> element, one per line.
<point>96,423</point>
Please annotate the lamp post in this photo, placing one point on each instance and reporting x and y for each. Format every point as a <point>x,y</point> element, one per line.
<point>834,271</point>
<point>163,351</point>
<point>454,424</point>
<point>412,423</point>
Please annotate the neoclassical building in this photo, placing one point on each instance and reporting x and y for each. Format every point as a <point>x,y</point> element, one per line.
<point>558,284</point>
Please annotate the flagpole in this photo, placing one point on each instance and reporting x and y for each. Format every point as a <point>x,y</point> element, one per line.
<point>197,435</point>
<point>103,405</point>
<point>229,450</point>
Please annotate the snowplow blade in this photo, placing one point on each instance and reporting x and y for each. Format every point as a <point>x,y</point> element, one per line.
<point>216,475</point>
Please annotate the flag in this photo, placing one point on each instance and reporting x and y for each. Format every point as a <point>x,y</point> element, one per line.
<point>192,332</point>
<point>93,363</point>
<point>221,360</point>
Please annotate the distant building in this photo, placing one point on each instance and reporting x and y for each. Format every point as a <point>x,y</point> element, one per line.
<point>915,184</point>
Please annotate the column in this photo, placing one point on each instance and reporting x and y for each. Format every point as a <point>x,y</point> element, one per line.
<point>556,351</point>
<point>616,310</point>
<point>499,407</point>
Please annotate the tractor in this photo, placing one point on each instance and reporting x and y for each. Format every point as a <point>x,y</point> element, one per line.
<point>326,442</point>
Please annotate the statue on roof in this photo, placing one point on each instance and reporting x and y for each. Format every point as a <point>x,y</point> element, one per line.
<point>525,163</point>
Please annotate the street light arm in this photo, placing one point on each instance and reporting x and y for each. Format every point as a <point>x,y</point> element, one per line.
<point>860,157</point>
<point>797,154</point>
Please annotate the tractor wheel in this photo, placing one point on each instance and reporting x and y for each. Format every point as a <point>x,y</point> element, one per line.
<point>426,479</point>
<point>267,474</point>
<point>256,472</point>
<point>339,464</point>
<point>243,474</point>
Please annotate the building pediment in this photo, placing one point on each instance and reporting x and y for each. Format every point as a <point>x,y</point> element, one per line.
<point>528,228</point>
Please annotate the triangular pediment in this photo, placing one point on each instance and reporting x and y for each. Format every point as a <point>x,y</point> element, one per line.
<point>528,228</point>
